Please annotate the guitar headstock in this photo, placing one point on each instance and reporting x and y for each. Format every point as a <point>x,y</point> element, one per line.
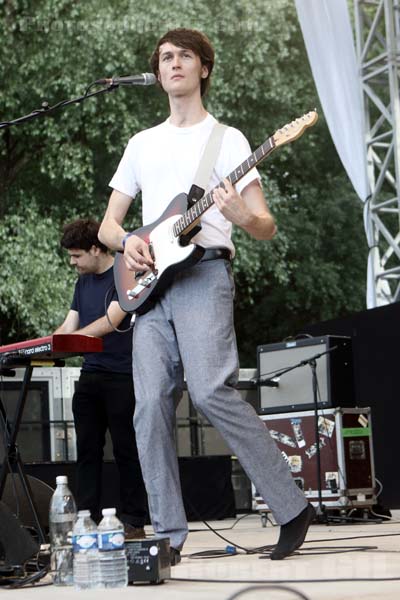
<point>295,129</point>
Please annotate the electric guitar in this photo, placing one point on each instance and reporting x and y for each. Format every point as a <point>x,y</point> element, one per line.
<point>137,290</point>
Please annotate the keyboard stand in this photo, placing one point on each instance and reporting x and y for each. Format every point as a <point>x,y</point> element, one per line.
<point>12,462</point>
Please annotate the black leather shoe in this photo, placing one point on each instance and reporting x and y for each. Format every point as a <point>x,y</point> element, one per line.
<point>175,556</point>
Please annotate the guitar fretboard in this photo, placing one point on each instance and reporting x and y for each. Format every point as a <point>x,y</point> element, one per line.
<point>200,207</point>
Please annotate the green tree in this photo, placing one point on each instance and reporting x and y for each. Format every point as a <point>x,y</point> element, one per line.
<point>36,290</point>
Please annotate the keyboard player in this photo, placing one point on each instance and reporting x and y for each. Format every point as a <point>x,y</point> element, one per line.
<point>104,397</point>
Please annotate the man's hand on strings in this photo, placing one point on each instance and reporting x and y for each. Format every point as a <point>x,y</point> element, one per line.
<point>137,254</point>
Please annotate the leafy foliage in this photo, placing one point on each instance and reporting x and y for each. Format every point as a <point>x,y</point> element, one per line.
<point>55,168</point>
<point>36,287</point>
<point>323,269</point>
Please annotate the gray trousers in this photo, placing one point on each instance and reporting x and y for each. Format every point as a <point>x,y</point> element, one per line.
<point>191,330</point>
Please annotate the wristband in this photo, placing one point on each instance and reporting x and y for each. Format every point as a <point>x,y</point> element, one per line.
<point>126,236</point>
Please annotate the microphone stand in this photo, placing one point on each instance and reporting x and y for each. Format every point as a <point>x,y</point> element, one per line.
<point>47,110</point>
<point>321,509</point>
<point>269,382</point>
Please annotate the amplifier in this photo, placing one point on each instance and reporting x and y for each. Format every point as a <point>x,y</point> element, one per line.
<point>148,560</point>
<point>281,391</point>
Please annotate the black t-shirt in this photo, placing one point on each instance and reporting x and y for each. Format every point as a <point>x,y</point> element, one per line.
<point>89,302</point>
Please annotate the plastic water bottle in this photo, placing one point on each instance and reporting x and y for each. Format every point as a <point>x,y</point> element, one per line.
<point>113,564</point>
<point>61,521</point>
<point>86,554</point>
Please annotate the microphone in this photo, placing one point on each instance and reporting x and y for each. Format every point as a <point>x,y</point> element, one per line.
<point>142,79</point>
<point>271,382</point>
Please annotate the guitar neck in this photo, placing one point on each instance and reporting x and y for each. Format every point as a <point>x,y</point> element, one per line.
<point>194,212</point>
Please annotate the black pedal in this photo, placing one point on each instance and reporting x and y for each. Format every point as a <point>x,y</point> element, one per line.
<point>148,560</point>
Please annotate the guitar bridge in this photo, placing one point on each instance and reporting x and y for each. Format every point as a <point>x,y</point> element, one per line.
<point>142,284</point>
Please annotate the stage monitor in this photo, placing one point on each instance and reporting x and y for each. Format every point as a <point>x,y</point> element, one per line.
<point>280,391</point>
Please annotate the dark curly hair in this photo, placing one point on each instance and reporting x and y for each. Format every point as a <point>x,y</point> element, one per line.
<point>191,39</point>
<point>82,234</point>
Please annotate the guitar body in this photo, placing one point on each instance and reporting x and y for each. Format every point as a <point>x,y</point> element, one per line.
<point>137,292</point>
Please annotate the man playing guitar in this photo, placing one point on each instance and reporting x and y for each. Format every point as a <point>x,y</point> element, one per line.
<point>190,327</point>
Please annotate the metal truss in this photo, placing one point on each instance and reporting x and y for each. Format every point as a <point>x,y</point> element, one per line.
<point>377,25</point>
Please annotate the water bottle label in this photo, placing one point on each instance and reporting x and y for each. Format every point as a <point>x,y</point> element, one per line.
<point>84,542</point>
<point>111,540</point>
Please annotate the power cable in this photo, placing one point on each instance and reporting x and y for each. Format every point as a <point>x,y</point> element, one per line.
<point>106,307</point>
<point>328,580</point>
<point>280,588</point>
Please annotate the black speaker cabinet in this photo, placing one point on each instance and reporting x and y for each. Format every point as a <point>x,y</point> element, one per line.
<point>293,391</point>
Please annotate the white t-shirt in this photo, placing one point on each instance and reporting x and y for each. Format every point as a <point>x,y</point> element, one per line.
<point>162,162</point>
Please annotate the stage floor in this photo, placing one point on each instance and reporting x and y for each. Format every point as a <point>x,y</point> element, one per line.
<point>356,574</point>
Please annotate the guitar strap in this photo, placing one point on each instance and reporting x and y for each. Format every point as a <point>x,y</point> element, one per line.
<point>203,174</point>
<point>210,155</point>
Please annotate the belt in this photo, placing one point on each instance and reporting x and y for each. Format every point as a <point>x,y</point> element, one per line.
<point>214,253</point>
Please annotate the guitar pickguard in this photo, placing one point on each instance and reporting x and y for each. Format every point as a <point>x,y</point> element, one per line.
<point>167,250</point>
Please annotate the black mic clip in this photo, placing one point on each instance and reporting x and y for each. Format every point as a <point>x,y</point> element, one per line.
<point>271,382</point>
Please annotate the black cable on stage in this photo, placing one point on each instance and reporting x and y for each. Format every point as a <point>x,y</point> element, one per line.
<point>223,528</point>
<point>333,550</point>
<point>214,553</point>
<point>353,537</point>
<point>279,581</point>
<point>251,588</point>
<point>14,583</point>
<point>231,549</point>
<point>265,551</point>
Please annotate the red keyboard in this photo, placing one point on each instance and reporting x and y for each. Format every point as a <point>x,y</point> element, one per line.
<point>56,346</point>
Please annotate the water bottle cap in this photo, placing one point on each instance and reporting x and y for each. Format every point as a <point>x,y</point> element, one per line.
<point>106,512</point>
<point>84,513</point>
<point>61,479</point>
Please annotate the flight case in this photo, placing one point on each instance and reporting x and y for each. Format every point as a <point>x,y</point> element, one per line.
<point>346,455</point>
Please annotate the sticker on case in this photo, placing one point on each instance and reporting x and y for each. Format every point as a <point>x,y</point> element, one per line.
<point>332,481</point>
<point>326,426</point>
<point>313,449</point>
<point>298,434</point>
<point>295,463</point>
<point>282,438</point>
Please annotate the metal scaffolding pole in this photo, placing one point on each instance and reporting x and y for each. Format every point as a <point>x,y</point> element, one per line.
<point>377,28</point>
